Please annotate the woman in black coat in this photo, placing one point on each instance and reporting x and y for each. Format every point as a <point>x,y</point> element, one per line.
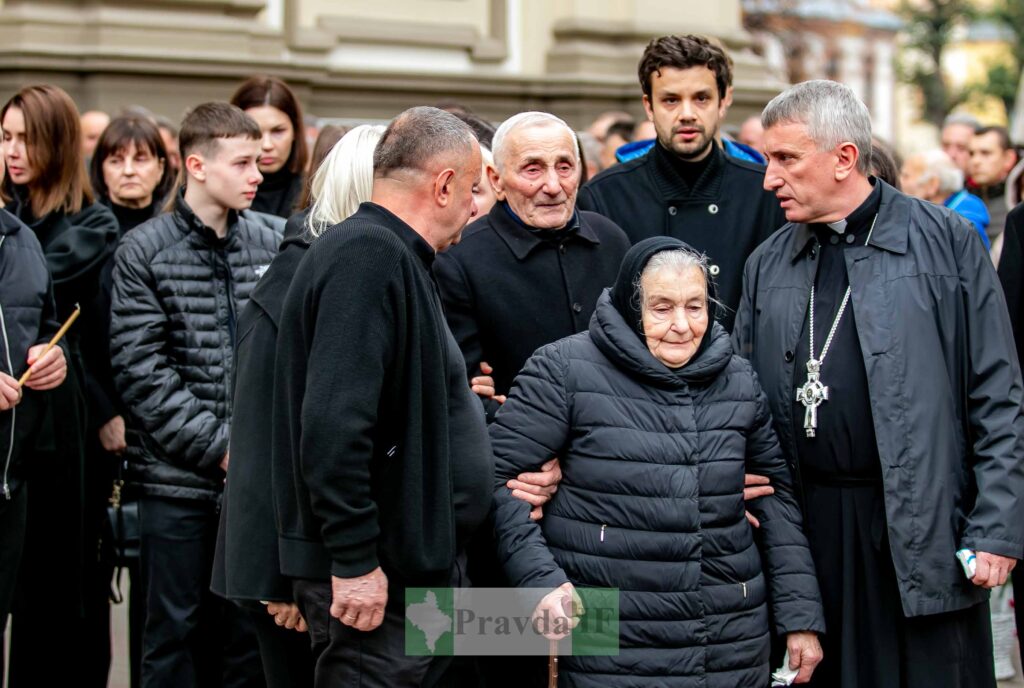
<point>47,188</point>
<point>656,421</point>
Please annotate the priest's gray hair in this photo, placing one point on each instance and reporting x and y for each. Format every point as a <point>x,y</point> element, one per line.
<point>832,113</point>
<point>938,165</point>
<point>344,178</point>
<point>523,120</point>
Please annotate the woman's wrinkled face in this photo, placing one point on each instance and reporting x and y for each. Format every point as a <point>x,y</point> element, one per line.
<point>131,175</point>
<point>674,313</point>
<point>278,137</point>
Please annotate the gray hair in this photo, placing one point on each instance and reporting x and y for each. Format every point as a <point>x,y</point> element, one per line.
<point>938,165</point>
<point>832,113</point>
<point>676,260</point>
<point>523,120</point>
<point>344,178</point>
<point>591,147</point>
<point>962,118</point>
<point>418,136</point>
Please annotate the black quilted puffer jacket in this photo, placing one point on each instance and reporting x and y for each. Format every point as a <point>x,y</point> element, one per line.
<point>651,503</point>
<point>177,291</point>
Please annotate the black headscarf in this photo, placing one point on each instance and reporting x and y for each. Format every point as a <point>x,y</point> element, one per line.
<point>623,292</point>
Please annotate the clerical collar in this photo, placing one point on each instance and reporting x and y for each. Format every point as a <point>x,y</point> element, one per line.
<point>859,220</point>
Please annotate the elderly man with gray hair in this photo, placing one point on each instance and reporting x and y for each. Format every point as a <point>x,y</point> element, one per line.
<point>933,176</point>
<point>526,274</point>
<point>879,332</point>
<point>530,271</point>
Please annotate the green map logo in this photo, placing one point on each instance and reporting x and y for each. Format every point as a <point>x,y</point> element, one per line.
<point>429,622</point>
<point>445,622</point>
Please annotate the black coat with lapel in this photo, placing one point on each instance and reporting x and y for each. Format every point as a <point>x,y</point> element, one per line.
<point>508,292</point>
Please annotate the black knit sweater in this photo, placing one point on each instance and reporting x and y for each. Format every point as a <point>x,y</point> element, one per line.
<point>363,404</point>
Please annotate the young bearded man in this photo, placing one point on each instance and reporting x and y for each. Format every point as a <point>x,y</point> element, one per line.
<point>179,282</point>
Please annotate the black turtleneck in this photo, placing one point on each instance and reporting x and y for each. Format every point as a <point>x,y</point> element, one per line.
<point>130,218</point>
<point>278,193</point>
<point>689,170</point>
<point>845,443</point>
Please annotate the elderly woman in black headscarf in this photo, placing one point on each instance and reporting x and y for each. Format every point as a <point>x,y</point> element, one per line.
<point>656,422</point>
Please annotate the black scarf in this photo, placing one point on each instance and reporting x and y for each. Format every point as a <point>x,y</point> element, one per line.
<point>623,292</point>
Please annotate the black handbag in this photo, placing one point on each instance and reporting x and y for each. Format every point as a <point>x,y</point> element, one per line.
<point>122,534</point>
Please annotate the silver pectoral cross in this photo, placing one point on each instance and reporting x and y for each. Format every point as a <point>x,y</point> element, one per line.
<point>811,395</point>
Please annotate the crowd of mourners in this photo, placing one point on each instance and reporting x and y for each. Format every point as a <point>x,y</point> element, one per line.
<point>765,384</point>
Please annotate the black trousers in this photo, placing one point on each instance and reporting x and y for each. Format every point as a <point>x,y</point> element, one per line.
<point>62,553</point>
<point>286,654</point>
<point>13,515</point>
<point>347,657</point>
<point>191,637</point>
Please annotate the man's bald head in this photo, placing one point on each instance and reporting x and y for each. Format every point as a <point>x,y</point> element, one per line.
<point>93,124</point>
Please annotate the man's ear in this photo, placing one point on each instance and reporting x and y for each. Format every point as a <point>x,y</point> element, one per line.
<point>443,192</point>
<point>931,187</point>
<point>195,165</point>
<point>647,107</point>
<point>847,156</point>
<point>495,179</point>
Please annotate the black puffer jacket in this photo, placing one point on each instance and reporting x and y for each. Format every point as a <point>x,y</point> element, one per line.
<point>27,318</point>
<point>177,292</point>
<point>652,503</point>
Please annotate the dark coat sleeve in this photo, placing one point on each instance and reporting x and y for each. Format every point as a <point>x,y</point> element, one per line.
<point>588,200</point>
<point>743,326</point>
<point>348,362</point>
<point>531,427</point>
<point>789,568</point>
<point>994,397</point>
<point>100,389</point>
<point>460,312</point>
<point>187,433</point>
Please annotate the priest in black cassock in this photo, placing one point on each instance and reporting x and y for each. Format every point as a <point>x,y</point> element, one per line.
<point>879,331</point>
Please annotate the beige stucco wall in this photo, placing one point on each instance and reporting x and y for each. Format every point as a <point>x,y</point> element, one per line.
<point>359,60</point>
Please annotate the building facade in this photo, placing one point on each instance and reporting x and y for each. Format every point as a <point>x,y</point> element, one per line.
<point>364,61</point>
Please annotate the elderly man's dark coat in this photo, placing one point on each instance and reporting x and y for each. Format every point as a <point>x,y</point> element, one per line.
<point>651,503</point>
<point>726,213</point>
<point>944,382</point>
<point>507,292</point>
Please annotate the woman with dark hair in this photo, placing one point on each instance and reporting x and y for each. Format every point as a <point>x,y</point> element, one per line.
<point>283,154</point>
<point>129,170</point>
<point>131,175</point>
<point>47,188</point>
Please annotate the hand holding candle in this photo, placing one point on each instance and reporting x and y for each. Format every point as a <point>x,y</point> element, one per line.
<point>47,367</point>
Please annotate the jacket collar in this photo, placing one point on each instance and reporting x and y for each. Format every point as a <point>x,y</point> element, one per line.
<point>183,211</point>
<point>417,244</point>
<point>671,185</point>
<point>892,229</point>
<point>521,241</point>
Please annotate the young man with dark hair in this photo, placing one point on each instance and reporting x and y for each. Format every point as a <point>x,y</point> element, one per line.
<point>686,186</point>
<point>180,279</point>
